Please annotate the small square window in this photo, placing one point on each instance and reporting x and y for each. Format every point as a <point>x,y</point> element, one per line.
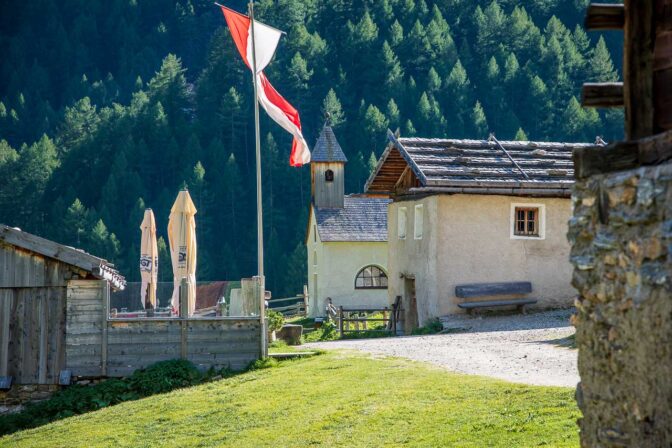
<point>401,223</point>
<point>527,221</point>
<point>418,222</point>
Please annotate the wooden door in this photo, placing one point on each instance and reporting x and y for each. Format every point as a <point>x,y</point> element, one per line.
<point>411,306</point>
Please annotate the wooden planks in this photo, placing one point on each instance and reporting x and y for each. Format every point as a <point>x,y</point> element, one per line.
<point>602,94</point>
<point>623,155</point>
<point>492,289</point>
<point>84,327</point>
<point>605,16</point>
<point>6,298</point>
<point>638,68</point>
<point>31,334</point>
<point>207,343</point>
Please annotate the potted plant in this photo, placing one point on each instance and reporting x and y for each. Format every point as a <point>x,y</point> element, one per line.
<point>275,321</point>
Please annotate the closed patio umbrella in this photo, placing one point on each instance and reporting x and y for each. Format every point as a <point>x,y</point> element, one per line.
<point>149,259</point>
<point>182,239</point>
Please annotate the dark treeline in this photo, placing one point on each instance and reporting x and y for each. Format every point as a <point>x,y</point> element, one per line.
<point>108,107</point>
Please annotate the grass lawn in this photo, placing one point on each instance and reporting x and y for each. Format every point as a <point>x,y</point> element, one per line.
<point>335,399</point>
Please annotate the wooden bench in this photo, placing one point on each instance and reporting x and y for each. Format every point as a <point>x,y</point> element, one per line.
<point>494,289</point>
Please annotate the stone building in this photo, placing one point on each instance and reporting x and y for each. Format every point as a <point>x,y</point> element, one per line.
<point>621,235</point>
<point>346,239</point>
<point>475,211</point>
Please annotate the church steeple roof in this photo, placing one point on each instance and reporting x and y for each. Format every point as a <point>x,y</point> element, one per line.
<point>327,148</point>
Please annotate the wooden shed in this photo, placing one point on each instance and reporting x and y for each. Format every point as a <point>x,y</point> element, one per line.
<point>55,321</point>
<point>37,278</point>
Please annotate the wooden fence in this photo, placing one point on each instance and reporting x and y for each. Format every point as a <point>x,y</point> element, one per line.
<point>98,346</point>
<point>298,308</point>
<point>356,320</point>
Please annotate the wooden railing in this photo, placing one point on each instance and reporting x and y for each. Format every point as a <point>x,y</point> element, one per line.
<point>298,308</point>
<point>358,318</point>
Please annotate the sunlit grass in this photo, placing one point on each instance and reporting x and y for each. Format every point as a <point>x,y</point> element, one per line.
<point>335,399</point>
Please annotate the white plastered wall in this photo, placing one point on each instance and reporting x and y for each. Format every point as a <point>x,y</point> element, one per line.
<point>467,239</point>
<point>332,268</point>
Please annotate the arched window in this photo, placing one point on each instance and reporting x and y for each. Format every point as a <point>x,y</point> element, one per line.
<point>329,176</point>
<point>371,277</point>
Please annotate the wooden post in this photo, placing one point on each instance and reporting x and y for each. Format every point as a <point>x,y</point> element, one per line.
<point>184,315</point>
<point>602,94</point>
<point>638,68</point>
<point>340,320</point>
<point>305,299</point>
<point>603,16</point>
<point>44,332</point>
<point>103,339</point>
<point>261,294</point>
<point>6,296</point>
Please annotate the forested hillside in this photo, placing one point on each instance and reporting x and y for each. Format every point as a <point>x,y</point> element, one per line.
<point>108,107</point>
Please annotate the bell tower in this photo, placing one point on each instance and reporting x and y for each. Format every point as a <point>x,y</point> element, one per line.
<point>327,170</point>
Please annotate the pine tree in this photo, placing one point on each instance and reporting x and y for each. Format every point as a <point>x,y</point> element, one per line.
<point>75,224</point>
<point>511,67</point>
<point>391,68</point>
<point>332,106</point>
<point>375,124</point>
<point>574,120</point>
<point>396,34</point>
<point>600,66</point>
<point>433,81</point>
<point>479,122</point>
<point>372,163</point>
<point>392,113</point>
<point>521,136</point>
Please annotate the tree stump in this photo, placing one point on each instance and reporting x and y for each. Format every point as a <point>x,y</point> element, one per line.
<point>291,334</point>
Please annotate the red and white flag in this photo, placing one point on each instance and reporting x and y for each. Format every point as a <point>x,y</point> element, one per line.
<point>266,40</point>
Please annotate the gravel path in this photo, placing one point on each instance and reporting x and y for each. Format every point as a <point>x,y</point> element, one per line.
<point>529,349</point>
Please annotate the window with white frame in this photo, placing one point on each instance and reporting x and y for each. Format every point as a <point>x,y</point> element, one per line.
<point>418,222</point>
<point>401,223</point>
<point>528,221</point>
<point>371,277</point>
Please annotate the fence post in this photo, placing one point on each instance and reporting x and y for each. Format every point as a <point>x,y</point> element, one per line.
<point>340,320</point>
<point>261,291</point>
<point>103,342</point>
<point>184,314</point>
<point>305,299</point>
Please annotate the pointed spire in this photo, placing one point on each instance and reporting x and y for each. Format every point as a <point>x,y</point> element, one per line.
<point>327,148</point>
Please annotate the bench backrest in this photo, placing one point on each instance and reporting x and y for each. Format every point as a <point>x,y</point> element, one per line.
<point>492,289</point>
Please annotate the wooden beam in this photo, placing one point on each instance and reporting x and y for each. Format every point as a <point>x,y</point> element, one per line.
<point>605,16</point>
<point>622,155</point>
<point>638,68</point>
<point>602,94</point>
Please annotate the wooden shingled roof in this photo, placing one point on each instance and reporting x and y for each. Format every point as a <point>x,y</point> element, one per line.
<point>97,267</point>
<point>360,219</point>
<point>524,168</point>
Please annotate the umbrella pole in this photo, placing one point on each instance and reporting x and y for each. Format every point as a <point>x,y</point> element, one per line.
<point>260,227</point>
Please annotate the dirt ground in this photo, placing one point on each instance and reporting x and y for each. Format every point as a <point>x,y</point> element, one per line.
<point>530,349</point>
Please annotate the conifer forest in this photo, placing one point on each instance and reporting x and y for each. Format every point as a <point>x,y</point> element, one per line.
<point>109,107</point>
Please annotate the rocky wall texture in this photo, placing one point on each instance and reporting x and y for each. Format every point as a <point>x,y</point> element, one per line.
<point>621,236</point>
<point>18,395</point>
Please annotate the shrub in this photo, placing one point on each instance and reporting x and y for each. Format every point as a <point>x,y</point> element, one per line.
<point>327,332</point>
<point>432,326</point>
<point>275,320</point>
<point>164,376</point>
<point>77,399</point>
<point>265,363</point>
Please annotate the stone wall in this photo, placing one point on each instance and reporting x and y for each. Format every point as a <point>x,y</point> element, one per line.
<point>18,395</point>
<point>622,255</point>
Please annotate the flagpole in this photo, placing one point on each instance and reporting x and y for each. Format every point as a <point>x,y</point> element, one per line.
<point>260,216</point>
